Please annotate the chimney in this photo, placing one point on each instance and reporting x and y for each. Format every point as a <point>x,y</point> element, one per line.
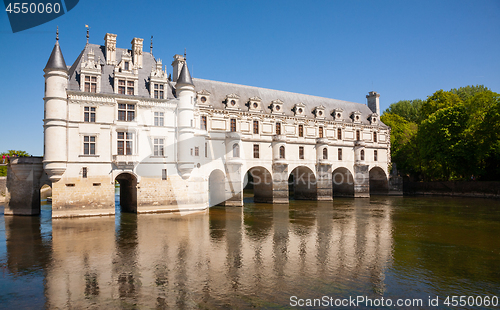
<point>177,64</point>
<point>373,102</point>
<point>110,44</point>
<point>137,52</point>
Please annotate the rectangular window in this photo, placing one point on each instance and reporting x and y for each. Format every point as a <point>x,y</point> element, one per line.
<point>278,128</point>
<point>126,66</point>
<point>126,112</point>
<point>321,132</point>
<point>89,115</point>
<point>255,151</point>
<point>358,135</point>
<point>159,118</point>
<point>233,125</point>
<point>121,87</point>
<point>84,172</point>
<point>206,149</point>
<point>158,91</point>
<point>130,87</point>
<point>196,151</point>
<point>340,154</point>
<point>163,174</point>
<point>339,134</point>
<point>374,137</point>
<point>203,122</point>
<point>301,152</point>
<point>90,84</point>
<point>301,130</point>
<point>158,147</point>
<point>89,145</point>
<point>375,155</point>
<point>256,127</point>
<point>124,143</point>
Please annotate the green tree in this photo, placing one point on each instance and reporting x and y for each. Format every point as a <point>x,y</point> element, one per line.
<point>467,92</point>
<point>439,100</point>
<point>407,109</point>
<point>404,151</point>
<point>10,153</point>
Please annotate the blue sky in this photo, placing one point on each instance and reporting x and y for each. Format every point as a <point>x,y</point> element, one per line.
<point>335,49</point>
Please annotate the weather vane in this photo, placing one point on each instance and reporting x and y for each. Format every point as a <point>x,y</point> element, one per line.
<point>57,34</point>
<point>151,46</point>
<point>87,26</point>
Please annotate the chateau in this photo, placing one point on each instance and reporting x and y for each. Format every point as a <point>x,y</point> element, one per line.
<point>177,143</point>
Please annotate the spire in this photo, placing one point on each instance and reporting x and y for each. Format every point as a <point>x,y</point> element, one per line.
<point>151,46</point>
<point>56,59</point>
<point>185,77</point>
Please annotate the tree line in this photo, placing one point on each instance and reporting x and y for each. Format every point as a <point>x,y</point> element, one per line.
<point>453,135</point>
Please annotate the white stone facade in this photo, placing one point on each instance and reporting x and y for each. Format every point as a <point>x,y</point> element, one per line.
<point>177,143</point>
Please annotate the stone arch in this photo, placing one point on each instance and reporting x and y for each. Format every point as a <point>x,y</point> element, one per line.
<point>261,181</point>
<point>343,182</point>
<point>128,191</point>
<point>216,188</point>
<point>379,184</point>
<point>302,181</point>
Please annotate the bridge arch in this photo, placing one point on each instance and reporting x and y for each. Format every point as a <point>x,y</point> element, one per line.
<point>128,191</point>
<point>302,181</point>
<point>216,188</point>
<point>343,182</point>
<point>379,184</point>
<point>261,181</point>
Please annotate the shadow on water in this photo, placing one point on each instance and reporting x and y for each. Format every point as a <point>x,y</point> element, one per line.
<point>253,257</point>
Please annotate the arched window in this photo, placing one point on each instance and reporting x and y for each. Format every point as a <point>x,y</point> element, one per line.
<point>282,152</point>
<point>236,150</point>
<point>325,153</point>
<point>339,134</point>
<point>301,130</point>
<point>362,153</point>
<point>278,128</point>
<point>374,137</point>
<point>321,132</point>
<point>358,135</point>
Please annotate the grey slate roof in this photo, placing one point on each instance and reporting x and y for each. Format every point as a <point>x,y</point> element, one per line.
<point>218,90</point>
<point>56,59</point>
<point>184,76</point>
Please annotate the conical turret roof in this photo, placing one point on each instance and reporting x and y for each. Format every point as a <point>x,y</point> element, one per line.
<point>56,59</point>
<point>185,77</point>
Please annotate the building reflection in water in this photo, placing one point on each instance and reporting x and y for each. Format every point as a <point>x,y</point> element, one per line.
<point>222,257</point>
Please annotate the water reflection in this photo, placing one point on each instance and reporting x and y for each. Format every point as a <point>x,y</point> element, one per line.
<point>259,255</point>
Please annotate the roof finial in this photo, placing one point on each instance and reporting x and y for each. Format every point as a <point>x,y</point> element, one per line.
<point>57,34</point>
<point>184,53</point>
<point>151,46</point>
<point>87,26</point>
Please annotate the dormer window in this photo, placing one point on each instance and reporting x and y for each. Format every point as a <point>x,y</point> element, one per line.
<point>356,116</point>
<point>373,118</point>
<point>203,97</point>
<point>90,84</point>
<point>299,110</point>
<point>158,92</point>
<point>125,87</point>
<point>277,106</point>
<point>126,66</point>
<point>319,112</point>
<point>337,114</point>
<point>232,101</point>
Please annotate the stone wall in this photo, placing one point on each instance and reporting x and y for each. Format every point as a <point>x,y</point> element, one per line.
<point>453,188</point>
<point>3,189</point>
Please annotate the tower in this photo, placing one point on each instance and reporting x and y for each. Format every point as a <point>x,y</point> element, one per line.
<point>373,102</point>
<point>55,135</point>
<point>185,122</point>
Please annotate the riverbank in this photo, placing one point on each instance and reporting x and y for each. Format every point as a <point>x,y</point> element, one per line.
<point>479,189</point>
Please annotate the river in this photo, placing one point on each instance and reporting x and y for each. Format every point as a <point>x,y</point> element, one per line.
<point>402,249</point>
